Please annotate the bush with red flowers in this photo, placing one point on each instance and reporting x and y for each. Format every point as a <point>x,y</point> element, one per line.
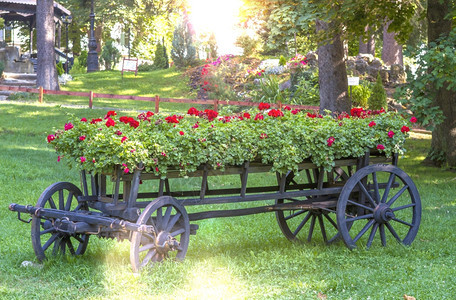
<point>282,139</point>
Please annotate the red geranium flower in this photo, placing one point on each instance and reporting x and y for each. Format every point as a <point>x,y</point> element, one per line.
<point>295,111</point>
<point>275,113</point>
<point>330,141</point>
<point>372,124</point>
<point>181,132</point>
<point>263,106</point>
<point>68,126</point>
<point>263,136</point>
<point>110,113</point>
<point>94,121</point>
<point>124,138</point>
<point>413,119</point>
<point>124,119</point>
<point>287,107</point>
<point>211,114</point>
<point>110,122</point>
<point>390,133</point>
<point>83,159</point>
<point>311,115</point>
<point>193,111</point>
<point>82,137</point>
<point>83,120</point>
<point>405,129</point>
<point>50,138</point>
<point>172,119</point>
<point>246,115</point>
<point>259,117</point>
<point>133,123</point>
<point>380,147</point>
<point>118,132</point>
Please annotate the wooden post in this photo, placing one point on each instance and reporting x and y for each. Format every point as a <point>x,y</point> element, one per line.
<point>279,105</point>
<point>216,102</point>
<point>157,104</point>
<point>90,99</point>
<point>40,94</point>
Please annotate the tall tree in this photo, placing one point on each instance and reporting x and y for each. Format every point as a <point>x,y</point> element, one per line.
<point>392,50</point>
<point>440,25</point>
<point>367,46</point>
<point>45,31</point>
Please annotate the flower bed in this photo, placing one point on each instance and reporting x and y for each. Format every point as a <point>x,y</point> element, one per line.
<point>281,138</point>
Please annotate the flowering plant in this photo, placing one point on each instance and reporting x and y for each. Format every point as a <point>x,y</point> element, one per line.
<point>297,62</point>
<point>281,138</point>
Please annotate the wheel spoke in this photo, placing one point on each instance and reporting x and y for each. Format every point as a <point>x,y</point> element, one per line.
<point>360,205</point>
<point>159,217</point>
<point>311,229</point>
<point>61,200</point>
<point>398,194</point>
<point>372,235</point>
<point>173,221</point>
<point>304,221</point>
<point>46,231</point>
<point>68,201</point>
<point>62,246</point>
<point>403,222</point>
<point>367,216</point>
<point>52,203</point>
<point>50,241</point>
<point>382,235</point>
<point>70,246</point>
<point>366,193</point>
<point>167,216</point>
<point>148,256</point>
<point>322,227</point>
<point>388,187</point>
<point>78,238</point>
<point>177,232</point>
<point>147,247</point>
<point>295,214</point>
<point>377,193</point>
<point>393,232</point>
<point>404,206</point>
<point>330,220</point>
<point>364,230</point>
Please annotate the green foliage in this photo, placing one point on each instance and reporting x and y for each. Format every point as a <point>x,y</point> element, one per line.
<point>283,139</point>
<point>146,67</point>
<point>282,61</point>
<point>269,90</point>
<point>160,60</point>
<point>248,44</point>
<point>436,69</point>
<point>307,91</point>
<point>83,58</point>
<point>110,55</point>
<point>2,68</point>
<point>360,94</point>
<point>78,67</point>
<point>183,52</point>
<point>60,69</point>
<point>377,99</point>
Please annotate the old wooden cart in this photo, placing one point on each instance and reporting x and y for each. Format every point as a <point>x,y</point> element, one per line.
<point>357,200</point>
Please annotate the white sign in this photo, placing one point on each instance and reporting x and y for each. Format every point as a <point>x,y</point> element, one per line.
<point>353,80</point>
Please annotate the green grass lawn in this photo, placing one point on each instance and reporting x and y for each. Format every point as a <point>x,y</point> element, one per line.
<point>229,258</point>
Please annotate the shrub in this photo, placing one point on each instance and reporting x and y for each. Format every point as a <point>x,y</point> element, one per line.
<point>145,67</point>
<point>248,44</point>
<point>307,89</point>
<point>360,94</point>
<point>83,58</point>
<point>377,99</point>
<point>78,67</point>
<point>183,52</point>
<point>60,69</point>
<point>110,55</point>
<point>160,61</point>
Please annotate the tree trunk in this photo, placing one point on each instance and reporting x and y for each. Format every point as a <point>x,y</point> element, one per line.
<point>443,146</point>
<point>332,74</point>
<point>392,51</point>
<point>45,31</point>
<point>369,46</point>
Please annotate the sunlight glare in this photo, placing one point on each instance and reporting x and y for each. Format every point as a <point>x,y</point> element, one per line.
<point>218,16</point>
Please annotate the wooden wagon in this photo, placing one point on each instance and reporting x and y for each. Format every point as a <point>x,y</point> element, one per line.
<point>360,198</point>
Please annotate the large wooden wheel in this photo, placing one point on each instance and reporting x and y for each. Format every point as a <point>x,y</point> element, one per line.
<point>378,199</point>
<point>171,236</point>
<point>45,238</point>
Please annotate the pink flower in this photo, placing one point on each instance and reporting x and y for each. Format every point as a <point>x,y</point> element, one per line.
<point>413,119</point>
<point>263,136</point>
<point>93,160</point>
<point>110,122</point>
<point>196,125</point>
<point>58,158</point>
<point>83,120</point>
<point>83,159</point>
<point>163,153</point>
<point>118,132</point>
<point>380,147</point>
<point>181,132</point>
<point>126,169</point>
<point>372,124</point>
<point>405,129</point>
<point>50,138</point>
<point>82,137</point>
<point>68,126</point>
<point>330,141</point>
<point>390,133</point>
<point>124,138</point>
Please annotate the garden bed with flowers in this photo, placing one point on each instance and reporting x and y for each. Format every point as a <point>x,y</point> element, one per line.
<point>280,138</point>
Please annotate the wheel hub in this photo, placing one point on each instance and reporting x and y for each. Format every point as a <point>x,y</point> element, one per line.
<point>165,243</point>
<point>383,213</point>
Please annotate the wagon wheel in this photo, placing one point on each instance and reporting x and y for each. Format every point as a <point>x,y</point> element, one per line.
<point>47,240</point>
<point>378,198</point>
<point>300,225</point>
<point>171,236</point>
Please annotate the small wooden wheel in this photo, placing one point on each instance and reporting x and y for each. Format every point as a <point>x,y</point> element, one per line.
<point>378,198</point>
<point>171,236</point>
<point>45,239</point>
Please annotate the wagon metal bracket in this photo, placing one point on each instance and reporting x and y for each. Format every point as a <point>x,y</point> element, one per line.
<point>22,220</point>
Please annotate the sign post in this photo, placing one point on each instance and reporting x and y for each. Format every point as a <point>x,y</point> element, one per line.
<point>130,65</point>
<point>351,82</point>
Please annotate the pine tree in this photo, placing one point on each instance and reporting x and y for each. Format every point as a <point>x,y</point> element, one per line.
<point>160,62</point>
<point>377,99</point>
<point>183,52</point>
